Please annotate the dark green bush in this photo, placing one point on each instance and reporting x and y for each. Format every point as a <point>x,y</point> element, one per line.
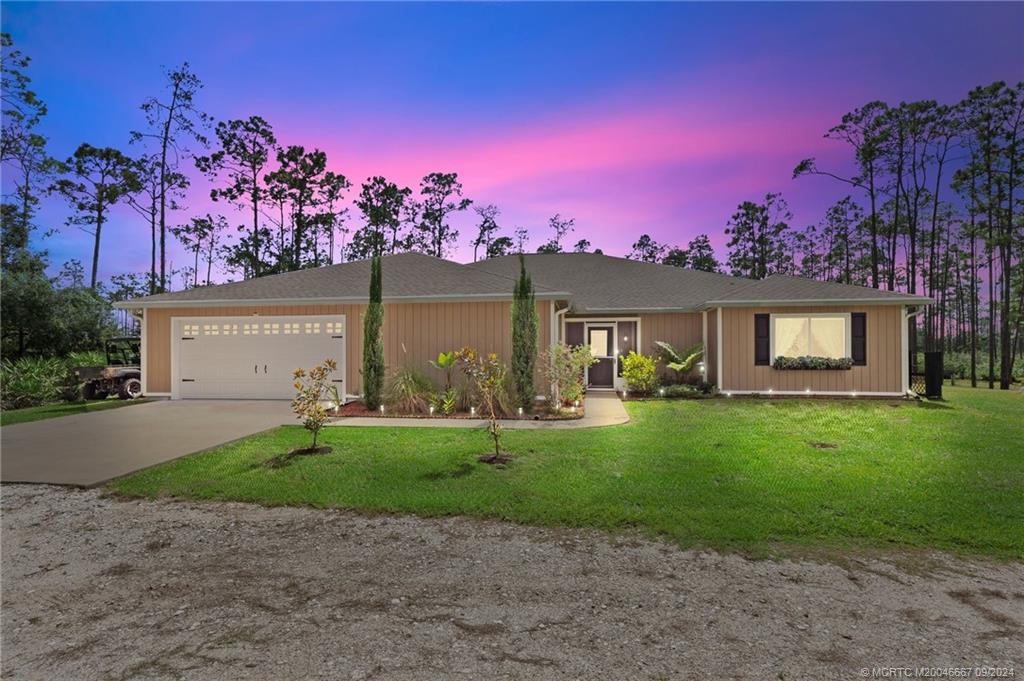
<point>813,363</point>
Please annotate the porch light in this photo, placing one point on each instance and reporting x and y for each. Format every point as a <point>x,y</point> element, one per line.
<point>625,338</point>
<point>703,368</point>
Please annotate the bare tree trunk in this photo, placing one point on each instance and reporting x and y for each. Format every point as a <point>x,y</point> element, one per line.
<point>96,245</point>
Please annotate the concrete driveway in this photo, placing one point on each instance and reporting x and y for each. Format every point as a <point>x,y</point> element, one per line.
<point>89,449</point>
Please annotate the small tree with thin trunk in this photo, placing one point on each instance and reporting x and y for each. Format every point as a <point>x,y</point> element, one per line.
<point>486,376</point>
<point>373,343</point>
<point>524,339</point>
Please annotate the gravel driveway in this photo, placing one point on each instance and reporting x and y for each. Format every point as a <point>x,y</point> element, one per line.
<point>98,588</point>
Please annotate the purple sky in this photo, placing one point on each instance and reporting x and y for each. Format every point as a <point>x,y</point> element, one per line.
<point>631,118</point>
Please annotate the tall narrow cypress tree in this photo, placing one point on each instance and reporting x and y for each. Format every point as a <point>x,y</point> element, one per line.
<point>524,339</point>
<point>373,342</point>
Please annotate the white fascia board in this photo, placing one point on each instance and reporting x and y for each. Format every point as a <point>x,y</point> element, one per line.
<point>901,300</point>
<point>342,300</point>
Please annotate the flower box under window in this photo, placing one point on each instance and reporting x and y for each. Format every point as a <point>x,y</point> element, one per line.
<point>812,363</point>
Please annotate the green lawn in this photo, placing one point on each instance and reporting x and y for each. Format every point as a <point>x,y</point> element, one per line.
<point>752,475</point>
<point>9,417</point>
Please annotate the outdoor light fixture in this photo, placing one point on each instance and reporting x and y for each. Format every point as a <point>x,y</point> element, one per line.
<point>573,408</point>
<point>771,390</point>
<point>431,410</point>
<point>625,338</point>
<point>728,394</point>
<point>853,394</point>
<point>520,411</point>
<point>472,411</point>
<point>382,409</point>
<point>576,403</point>
<point>703,368</point>
<point>807,390</point>
<point>661,392</point>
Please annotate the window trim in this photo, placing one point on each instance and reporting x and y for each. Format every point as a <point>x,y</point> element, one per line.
<point>846,316</point>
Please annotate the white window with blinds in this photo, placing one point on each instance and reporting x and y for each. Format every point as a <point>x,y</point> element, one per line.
<point>810,335</point>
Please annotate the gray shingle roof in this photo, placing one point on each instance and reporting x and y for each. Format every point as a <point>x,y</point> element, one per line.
<point>593,283</point>
<point>602,283</point>
<point>405,276</point>
<point>780,288</point>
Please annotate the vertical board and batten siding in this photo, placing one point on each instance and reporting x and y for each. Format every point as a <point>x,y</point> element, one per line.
<point>682,330</point>
<point>414,333</point>
<point>881,374</point>
<point>711,351</point>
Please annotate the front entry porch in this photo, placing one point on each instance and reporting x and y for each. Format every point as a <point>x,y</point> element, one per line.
<point>609,339</point>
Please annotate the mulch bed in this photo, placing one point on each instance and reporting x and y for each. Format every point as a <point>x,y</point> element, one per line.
<point>358,409</point>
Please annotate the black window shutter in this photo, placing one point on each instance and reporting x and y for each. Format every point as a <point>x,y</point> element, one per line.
<point>762,342</point>
<point>859,338</point>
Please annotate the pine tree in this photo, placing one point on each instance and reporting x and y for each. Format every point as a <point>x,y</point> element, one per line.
<point>373,342</point>
<point>524,339</point>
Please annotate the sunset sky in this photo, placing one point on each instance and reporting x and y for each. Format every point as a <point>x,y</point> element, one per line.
<point>631,118</point>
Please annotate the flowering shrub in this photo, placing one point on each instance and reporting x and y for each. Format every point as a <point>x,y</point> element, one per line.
<point>312,389</point>
<point>808,362</point>
<point>564,367</point>
<point>640,373</point>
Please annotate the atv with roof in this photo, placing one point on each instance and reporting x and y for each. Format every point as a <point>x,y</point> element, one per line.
<point>122,375</point>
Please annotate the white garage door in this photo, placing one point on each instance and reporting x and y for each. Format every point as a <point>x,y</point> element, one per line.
<point>252,357</point>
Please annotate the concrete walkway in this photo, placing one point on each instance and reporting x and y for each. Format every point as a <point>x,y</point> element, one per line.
<point>602,409</point>
<point>89,449</point>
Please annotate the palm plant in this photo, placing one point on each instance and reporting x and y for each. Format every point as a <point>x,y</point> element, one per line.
<point>446,363</point>
<point>681,363</point>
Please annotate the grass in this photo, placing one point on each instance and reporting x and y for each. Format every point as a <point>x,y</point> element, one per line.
<point>758,476</point>
<point>9,417</point>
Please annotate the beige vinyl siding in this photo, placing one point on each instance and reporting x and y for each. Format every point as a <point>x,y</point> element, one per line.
<point>880,375</point>
<point>414,333</point>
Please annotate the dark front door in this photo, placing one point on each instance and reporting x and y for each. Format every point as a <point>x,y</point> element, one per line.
<point>601,340</point>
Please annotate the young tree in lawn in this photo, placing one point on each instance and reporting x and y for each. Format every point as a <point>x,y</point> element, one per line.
<point>486,376</point>
<point>381,203</point>
<point>442,196</point>
<point>244,150</point>
<point>758,238</point>
<point>485,230</point>
<point>501,246</point>
<point>865,131</point>
<point>646,249</point>
<point>561,227</point>
<point>701,254</point>
<point>98,179</point>
<point>373,341</point>
<point>173,121</point>
<point>525,323</point>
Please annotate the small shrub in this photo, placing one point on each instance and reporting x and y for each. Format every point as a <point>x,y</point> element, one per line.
<point>812,363</point>
<point>409,392</point>
<point>31,382</point>
<point>564,367</point>
<point>639,372</point>
<point>312,389</point>
<point>682,363</point>
<point>445,402</point>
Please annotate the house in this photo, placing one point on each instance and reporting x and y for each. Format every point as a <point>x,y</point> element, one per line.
<point>244,339</point>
